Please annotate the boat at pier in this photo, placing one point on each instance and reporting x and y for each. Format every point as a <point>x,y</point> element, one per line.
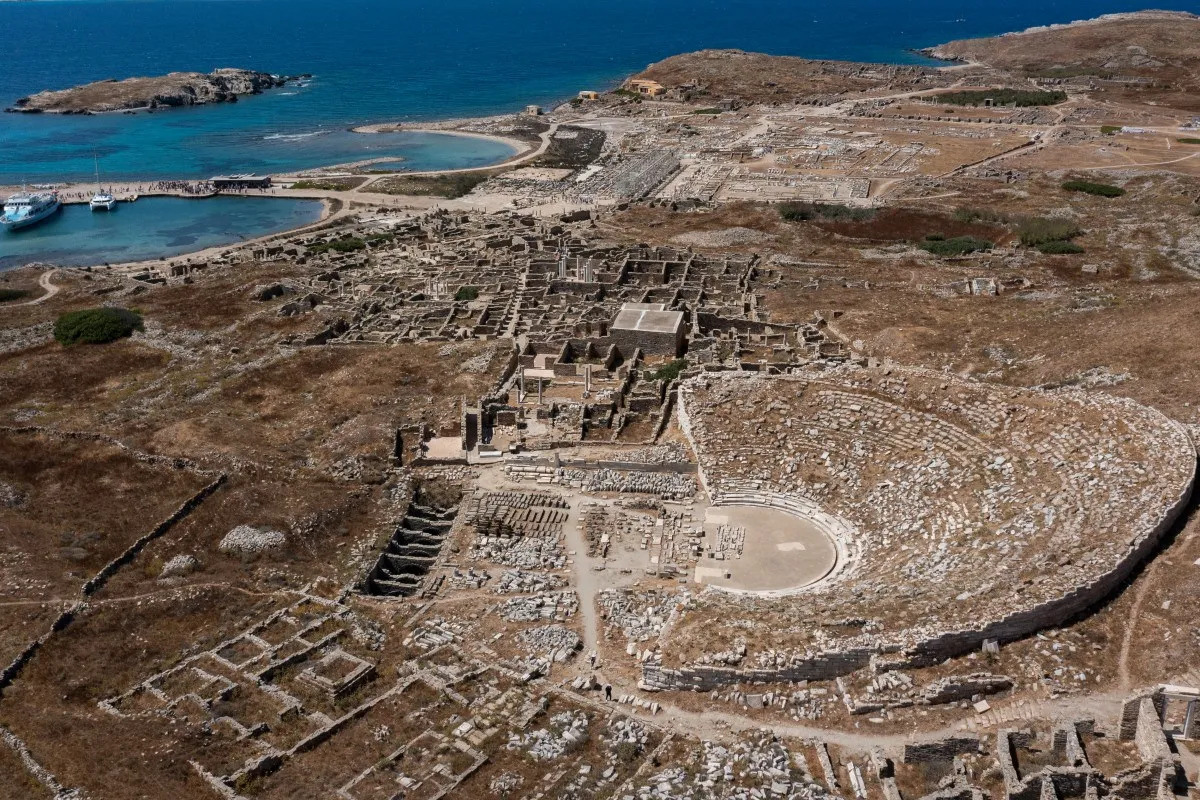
<point>102,200</point>
<point>24,209</point>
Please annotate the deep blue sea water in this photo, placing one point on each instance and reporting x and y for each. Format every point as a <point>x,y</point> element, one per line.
<point>382,60</point>
<point>150,228</point>
<point>379,60</point>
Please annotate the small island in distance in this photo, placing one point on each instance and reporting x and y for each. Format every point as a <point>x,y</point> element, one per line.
<point>174,90</point>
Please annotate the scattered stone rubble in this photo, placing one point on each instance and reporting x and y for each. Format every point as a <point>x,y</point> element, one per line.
<point>517,530</point>
<point>178,566</point>
<point>667,485</point>
<point>11,497</point>
<point>565,731</point>
<point>641,615</point>
<point>246,540</point>
<point>513,581</point>
<point>557,606</point>
<point>553,640</point>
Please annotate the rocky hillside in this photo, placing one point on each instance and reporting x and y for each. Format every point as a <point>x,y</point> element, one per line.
<point>1144,43</point>
<point>760,78</point>
<point>166,91</point>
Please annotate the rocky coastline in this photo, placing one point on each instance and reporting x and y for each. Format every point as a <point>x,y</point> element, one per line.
<point>174,90</point>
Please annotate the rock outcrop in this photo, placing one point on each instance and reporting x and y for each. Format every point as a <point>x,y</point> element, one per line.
<point>167,91</point>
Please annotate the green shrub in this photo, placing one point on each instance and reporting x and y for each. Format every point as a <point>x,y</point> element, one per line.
<point>1021,98</point>
<point>1189,140</point>
<point>12,294</point>
<point>669,372</point>
<point>347,244</point>
<point>936,237</point>
<point>968,214</point>
<point>1034,231</point>
<point>1109,130</point>
<point>451,186</point>
<point>958,246</point>
<point>466,294</point>
<point>1097,189</point>
<point>326,185</point>
<point>1059,248</point>
<point>96,326</point>
<point>707,111</point>
<point>836,212</point>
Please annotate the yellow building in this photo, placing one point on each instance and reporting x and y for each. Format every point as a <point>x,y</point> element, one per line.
<point>589,95</point>
<point>646,88</point>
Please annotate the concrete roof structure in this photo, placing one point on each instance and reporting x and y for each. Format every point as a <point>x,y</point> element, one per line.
<point>644,318</point>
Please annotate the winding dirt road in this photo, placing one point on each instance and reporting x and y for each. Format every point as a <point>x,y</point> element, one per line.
<point>48,286</point>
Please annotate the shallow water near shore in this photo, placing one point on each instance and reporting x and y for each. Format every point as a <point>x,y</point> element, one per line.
<point>381,60</point>
<point>150,228</point>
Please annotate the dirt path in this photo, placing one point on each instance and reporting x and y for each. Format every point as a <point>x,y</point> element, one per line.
<point>47,285</point>
<point>584,577</point>
<point>1123,679</point>
<point>1149,164</point>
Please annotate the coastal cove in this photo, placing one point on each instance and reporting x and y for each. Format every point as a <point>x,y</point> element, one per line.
<point>151,228</point>
<point>376,61</point>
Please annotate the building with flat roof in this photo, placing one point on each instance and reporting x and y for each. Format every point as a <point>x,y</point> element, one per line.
<point>244,181</point>
<point>650,327</point>
<point>646,88</point>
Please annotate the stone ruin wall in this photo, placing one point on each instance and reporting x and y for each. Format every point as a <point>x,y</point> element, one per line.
<point>829,665</point>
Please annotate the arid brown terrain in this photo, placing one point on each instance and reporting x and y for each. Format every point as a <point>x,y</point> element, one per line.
<point>792,429</point>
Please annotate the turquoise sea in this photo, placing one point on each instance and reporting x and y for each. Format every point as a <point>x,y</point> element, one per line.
<point>151,228</point>
<point>382,60</point>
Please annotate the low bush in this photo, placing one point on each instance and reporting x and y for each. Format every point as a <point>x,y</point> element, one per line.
<point>958,246</point>
<point>669,372</point>
<point>1021,98</point>
<point>800,212</point>
<point>7,295</point>
<point>1109,130</point>
<point>1189,140</point>
<point>988,215</point>
<point>347,244</point>
<point>450,186</point>
<point>327,185</point>
<point>96,326</point>
<point>466,294</point>
<point>1059,248</point>
<point>1097,189</point>
<point>1034,231</point>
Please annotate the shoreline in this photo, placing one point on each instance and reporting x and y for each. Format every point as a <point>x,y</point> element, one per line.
<point>524,149</point>
<point>331,208</point>
<point>520,146</point>
<point>1119,16</point>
